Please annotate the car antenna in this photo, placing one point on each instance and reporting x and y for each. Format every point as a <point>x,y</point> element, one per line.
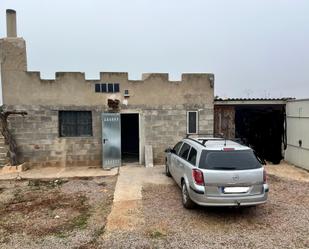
<point>224,137</point>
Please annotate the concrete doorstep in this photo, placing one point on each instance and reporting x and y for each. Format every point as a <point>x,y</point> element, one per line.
<point>12,169</point>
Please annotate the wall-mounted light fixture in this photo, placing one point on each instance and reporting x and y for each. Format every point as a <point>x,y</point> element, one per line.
<point>126,93</point>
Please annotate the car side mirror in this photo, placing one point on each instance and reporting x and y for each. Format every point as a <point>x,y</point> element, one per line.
<point>170,150</point>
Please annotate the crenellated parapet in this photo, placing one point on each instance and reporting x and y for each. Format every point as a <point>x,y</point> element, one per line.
<point>123,77</point>
<point>72,88</point>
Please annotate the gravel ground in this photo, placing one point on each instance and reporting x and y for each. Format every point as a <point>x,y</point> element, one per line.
<point>54,213</point>
<point>28,211</point>
<point>283,222</point>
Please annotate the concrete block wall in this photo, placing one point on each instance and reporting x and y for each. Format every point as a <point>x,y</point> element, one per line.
<point>166,126</point>
<point>3,152</point>
<point>39,144</point>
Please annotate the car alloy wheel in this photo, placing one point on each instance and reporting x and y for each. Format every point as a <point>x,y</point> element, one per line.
<point>186,200</point>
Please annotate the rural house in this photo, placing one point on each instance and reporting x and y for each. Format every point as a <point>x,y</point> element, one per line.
<point>72,121</point>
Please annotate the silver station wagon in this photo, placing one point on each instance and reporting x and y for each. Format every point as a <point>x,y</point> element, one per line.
<point>217,172</point>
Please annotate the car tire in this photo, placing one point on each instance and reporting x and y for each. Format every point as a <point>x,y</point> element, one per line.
<point>186,200</point>
<point>167,170</point>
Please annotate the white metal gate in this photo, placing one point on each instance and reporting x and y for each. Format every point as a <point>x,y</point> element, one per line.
<point>297,151</point>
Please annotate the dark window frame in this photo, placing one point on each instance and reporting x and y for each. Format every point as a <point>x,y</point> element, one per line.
<point>196,122</point>
<point>103,88</point>
<point>110,87</point>
<point>97,88</point>
<point>107,87</point>
<point>75,123</point>
<point>116,87</point>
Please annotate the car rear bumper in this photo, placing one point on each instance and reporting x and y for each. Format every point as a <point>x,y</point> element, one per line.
<point>251,200</point>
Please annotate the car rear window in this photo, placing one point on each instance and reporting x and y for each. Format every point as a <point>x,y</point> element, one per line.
<point>229,160</point>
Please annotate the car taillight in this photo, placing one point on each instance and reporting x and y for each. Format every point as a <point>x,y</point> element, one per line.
<point>198,176</point>
<point>228,149</point>
<point>264,176</point>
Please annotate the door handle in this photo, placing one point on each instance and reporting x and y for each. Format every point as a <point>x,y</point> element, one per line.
<point>105,140</point>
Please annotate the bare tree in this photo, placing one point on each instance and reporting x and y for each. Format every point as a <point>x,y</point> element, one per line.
<point>8,137</point>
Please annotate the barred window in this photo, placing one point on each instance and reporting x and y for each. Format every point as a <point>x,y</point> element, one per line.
<point>75,123</point>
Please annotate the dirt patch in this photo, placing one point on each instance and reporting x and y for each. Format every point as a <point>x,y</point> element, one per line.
<point>280,223</point>
<point>60,211</point>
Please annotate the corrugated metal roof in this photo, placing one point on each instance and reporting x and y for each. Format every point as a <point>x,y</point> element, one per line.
<point>254,99</point>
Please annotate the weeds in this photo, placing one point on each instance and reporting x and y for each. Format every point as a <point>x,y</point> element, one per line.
<point>37,183</point>
<point>157,234</point>
<point>80,221</point>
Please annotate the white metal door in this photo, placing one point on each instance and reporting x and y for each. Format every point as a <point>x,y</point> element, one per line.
<point>111,140</point>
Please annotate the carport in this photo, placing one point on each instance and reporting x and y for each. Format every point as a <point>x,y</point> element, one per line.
<point>258,123</point>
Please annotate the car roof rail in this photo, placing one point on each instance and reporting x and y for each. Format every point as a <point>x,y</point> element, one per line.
<point>218,136</point>
<point>198,134</point>
<point>191,139</point>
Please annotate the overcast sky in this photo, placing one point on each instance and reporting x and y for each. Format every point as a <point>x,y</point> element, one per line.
<point>255,48</point>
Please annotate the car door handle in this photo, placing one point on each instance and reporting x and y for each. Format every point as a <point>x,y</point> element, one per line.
<point>105,140</point>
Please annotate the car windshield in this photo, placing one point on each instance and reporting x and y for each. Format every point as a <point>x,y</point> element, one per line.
<point>229,160</point>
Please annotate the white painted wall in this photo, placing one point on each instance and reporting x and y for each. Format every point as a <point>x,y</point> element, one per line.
<point>297,112</point>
